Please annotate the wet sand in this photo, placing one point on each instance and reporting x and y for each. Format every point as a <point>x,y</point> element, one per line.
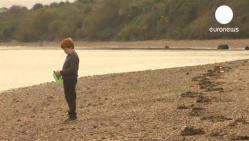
<point>208,102</point>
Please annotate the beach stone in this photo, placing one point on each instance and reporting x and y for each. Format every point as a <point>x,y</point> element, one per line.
<point>191,131</point>
<point>61,129</point>
<point>223,46</point>
<point>166,47</point>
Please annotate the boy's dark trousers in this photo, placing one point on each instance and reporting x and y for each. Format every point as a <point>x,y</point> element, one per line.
<point>70,95</point>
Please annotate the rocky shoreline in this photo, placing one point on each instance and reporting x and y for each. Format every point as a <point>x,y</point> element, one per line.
<point>207,102</point>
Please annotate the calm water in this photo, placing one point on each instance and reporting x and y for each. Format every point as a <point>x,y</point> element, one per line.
<point>20,68</point>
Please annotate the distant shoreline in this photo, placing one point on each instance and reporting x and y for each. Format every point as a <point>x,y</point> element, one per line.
<point>145,45</point>
<point>124,49</point>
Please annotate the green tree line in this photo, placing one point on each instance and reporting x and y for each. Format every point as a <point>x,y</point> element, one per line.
<point>125,20</point>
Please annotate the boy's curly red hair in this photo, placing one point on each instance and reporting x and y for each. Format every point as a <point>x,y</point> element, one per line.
<point>67,43</point>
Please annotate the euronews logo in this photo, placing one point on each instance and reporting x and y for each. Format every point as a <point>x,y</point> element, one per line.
<point>224,15</point>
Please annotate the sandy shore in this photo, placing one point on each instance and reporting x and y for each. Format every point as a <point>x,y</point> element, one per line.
<point>153,44</point>
<point>208,102</point>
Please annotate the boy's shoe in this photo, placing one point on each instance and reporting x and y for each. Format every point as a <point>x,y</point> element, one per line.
<point>72,115</point>
<point>70,119</point>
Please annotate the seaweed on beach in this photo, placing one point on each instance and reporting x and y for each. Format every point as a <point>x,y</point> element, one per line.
<point>196,111</point>
<point>241,120</point>
<point>203,99</point>
<point>216,118</point>
<point>191,131</point>
<point>182,107</point>
<point>205,81</point>
<point>241,138</point>
<point>190,94</point>
<point>217,133</point>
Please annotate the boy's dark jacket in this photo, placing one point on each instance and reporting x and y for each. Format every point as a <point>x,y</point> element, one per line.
<point>70,67</point>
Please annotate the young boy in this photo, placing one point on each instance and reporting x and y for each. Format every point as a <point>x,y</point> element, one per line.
<point>69,74</point>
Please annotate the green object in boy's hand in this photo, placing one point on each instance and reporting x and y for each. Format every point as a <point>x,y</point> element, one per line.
<point>57,74</point>
<point>58,78</point>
